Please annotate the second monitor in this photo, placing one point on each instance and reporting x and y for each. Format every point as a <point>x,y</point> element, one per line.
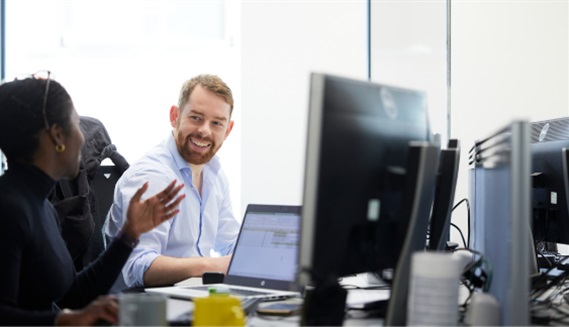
<point>550,222</point>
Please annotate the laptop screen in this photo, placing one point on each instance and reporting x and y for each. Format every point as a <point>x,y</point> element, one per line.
<point>267,247</point>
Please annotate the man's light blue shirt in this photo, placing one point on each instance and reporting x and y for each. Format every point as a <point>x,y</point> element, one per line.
<point>205,225</point>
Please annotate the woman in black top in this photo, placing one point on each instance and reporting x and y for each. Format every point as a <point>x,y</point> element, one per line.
<point>41,138</point>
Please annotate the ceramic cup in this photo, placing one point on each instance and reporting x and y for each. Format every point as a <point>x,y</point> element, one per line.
<point>142,309</point>
<point>218,310</point>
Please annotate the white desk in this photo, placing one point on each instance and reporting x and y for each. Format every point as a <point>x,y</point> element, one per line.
<point>356,298</point>
<point>176,307</point>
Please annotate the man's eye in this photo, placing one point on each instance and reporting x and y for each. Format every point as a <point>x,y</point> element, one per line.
<point>196,118</point>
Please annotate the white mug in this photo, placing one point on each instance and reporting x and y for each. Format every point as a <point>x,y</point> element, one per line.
<point>433,291</point>
<point>142,309</point>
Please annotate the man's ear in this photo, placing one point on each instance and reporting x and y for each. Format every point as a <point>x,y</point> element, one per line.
<point>229,128</point>
<point>174,115</point>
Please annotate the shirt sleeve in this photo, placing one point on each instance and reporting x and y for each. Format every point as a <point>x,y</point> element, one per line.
<point>153,243</point>
<point>228,227</point>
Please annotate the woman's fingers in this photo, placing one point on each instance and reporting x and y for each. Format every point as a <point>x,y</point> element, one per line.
<point>169,193</point>
<point>174,204</point>
<point>147,214</point>
<point>136,197</point>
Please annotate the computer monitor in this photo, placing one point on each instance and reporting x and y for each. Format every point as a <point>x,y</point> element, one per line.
<point>500,195</point>
<point>439,225</point>
<point>550,214</point>
<point>356,156</point>
<point>416,205</point>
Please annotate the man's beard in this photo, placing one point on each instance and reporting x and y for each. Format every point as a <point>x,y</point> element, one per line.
<point>197,158</point>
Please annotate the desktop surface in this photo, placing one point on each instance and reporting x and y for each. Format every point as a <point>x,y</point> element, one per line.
<point>363,306</point>
<point>364,292</point>
<point>179,313</point>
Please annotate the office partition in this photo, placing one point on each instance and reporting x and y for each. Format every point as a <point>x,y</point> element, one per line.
<point>500,187</point>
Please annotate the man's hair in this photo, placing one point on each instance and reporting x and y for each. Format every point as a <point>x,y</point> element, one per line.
<point>21,117</point>
<point>210,82</point>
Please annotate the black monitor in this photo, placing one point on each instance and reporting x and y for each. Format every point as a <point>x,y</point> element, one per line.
<point>357,149</point>
<point>369,184</point>
<point>550,214</point>
<point>439,225</point>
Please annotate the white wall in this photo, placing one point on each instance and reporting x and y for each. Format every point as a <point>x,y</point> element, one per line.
<point>509,61</point>
<point>282,42</point>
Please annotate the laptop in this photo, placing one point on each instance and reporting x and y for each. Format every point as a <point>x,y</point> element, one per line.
<point>265,257</point>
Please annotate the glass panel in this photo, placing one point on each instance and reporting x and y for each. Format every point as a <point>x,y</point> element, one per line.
<point>149,22</point>
<point>408,49</point>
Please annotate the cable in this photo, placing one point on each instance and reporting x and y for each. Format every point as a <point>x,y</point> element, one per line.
<point>476,274</point>
<point>461,236</point>
<point>537,292</point>
<point>465,200</point>
<point>539,252</point>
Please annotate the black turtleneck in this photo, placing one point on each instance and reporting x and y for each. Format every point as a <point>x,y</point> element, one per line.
<point>36,270</point>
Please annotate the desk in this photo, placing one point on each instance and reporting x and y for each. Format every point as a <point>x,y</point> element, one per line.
<point>354,317</point>
<point>177,307</point>
<point>359,293</point>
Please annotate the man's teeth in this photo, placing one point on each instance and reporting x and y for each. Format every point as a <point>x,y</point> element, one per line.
<point>198,143</point>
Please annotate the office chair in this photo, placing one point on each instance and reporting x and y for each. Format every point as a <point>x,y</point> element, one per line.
<point>103,188</point>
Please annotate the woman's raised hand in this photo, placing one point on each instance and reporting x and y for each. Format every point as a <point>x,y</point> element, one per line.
<point>142,216</point>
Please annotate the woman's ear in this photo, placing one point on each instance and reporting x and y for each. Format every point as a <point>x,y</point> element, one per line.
<point>56,134</point>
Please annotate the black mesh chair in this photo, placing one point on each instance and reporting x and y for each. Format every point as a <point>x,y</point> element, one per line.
<point>103,188</point>
<point>82,203</point>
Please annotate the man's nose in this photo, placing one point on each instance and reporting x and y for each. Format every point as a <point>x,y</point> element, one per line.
<point>204,129</point>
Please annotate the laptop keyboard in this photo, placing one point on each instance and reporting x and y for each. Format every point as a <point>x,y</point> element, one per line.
<point>235,291</point>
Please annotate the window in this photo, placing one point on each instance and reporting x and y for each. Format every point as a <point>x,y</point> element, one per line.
<point>123,62</point>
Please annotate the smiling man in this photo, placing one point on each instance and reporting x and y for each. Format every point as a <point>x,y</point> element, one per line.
<point>201,237</point>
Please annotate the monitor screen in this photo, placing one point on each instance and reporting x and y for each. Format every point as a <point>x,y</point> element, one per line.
<point>357,150</point>
<point>550,214</point>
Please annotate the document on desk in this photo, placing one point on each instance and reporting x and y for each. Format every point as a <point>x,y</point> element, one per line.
<point>363,280</point>
<point>357,298</point>
<point>192,281</point>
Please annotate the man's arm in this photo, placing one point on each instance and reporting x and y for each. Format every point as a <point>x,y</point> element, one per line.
<point>166,270</point>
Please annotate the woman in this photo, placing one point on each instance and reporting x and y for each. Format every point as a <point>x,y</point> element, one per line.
<point>41,138</point>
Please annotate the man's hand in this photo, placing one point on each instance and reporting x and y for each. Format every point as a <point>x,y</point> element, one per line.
<point>166,270</point>
<point>221,264</point>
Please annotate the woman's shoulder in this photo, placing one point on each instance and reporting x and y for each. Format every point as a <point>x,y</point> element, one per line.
<point>15,210</point>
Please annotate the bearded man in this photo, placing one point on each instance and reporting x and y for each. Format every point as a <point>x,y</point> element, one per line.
<point>202,235</point>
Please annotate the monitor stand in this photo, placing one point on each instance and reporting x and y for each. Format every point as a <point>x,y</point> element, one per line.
<point>324,305</point>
